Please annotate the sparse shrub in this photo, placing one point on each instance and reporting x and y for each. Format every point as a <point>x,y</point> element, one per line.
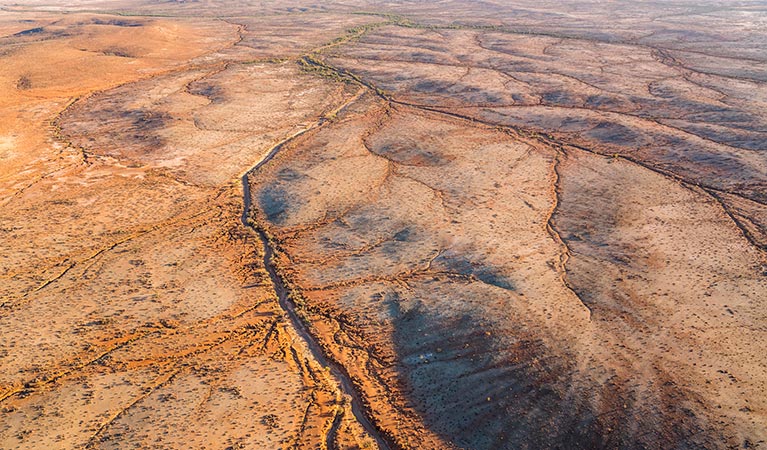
<point>270,420</point>
<point>24,83</point>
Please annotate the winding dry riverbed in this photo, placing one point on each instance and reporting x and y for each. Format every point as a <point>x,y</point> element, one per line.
<point>343,380</point>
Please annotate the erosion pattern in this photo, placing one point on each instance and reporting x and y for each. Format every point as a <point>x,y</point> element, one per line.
<point>362,224</point>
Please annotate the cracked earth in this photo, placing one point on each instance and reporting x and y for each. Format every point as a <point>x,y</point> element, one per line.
<point>346,225</point>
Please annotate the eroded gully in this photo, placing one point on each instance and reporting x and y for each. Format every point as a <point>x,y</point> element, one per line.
<point>339,373</point>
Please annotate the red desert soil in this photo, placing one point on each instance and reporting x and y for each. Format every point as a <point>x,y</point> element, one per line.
<point>397,225</point>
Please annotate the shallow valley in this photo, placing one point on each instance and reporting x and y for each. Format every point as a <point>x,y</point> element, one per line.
<point>444,224</point>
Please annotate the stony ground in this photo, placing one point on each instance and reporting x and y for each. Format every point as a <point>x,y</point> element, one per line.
<point>447,224</point>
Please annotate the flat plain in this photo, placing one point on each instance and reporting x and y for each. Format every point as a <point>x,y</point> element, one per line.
<point>353,224</point>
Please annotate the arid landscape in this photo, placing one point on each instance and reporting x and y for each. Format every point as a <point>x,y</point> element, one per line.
<point>359,224</point>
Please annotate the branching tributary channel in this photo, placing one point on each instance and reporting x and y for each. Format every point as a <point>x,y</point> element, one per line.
<point>338,372</point>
